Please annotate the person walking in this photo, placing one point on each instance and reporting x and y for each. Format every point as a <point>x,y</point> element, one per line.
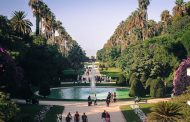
<point>104,116</point>
<point>68,117</point>
<point>95,100</point>
<point>89,101</point>
<point>108,102</point>
<point>114,97</point>
<point>107,117</point>
<point>77,117</point>
<point>84,118</point>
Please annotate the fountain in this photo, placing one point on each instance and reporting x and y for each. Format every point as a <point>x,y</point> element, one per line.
<point>93,82</point>
<point>82,93</point>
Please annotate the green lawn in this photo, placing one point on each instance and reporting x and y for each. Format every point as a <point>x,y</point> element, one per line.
<point>146,107</point>
<point>28,112</point>
<point>73,72</point>
<point>111,72</point>
<point>52,114</point>
<point>129,114</point>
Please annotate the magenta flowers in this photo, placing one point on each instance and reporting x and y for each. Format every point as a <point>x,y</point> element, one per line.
<point>181,80</point>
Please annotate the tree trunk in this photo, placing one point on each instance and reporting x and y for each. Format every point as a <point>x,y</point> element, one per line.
<point>37,24</point>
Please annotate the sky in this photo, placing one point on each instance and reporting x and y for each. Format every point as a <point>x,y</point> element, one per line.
<point>90,22</point>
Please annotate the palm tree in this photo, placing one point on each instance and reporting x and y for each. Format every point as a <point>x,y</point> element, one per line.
<point>179,9</point>
<point>35,5</point>
<point>43,10</point>
<point>165,112</point>
<point>47,23</point>
<point>143,5</point>
<point>19,24</point>
<point>166,18</point>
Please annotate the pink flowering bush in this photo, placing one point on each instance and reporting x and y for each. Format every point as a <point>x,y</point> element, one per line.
<point>10,74</point>
<point>181,80</point>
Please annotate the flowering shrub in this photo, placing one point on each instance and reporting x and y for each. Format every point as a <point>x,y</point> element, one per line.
<point>181,80</point>
<point>10,73</point>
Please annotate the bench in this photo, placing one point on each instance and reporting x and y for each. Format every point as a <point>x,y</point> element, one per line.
<point>140,100</point>
<point>143,100</point>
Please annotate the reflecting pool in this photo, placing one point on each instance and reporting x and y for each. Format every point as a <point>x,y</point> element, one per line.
<point>82,93</point>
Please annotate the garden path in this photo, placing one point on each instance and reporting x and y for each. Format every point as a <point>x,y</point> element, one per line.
<point>94,112</point>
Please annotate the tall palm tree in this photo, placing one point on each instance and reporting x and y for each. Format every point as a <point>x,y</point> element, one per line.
<point>165,112</point>
<point>47,23</point>
<point>19,24</point>
<point>35,5</point>
<point>179,9</point>
<point>43,14</point>
<point>166,18</point>
<point>143,6</point>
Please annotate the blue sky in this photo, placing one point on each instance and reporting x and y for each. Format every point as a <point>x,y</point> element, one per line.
<point>89,22</point>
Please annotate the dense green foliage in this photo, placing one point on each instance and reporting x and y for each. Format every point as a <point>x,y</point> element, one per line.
<point>122,80</point>
<point>44,89</point>
<point>8,109</point>
<point>157,88</point>
<point>28,112</point>
<point>137,88</point>
<point>155,50</point>
<point>28,61</point>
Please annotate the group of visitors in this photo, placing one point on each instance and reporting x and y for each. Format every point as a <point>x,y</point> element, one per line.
<point>99,79</point>
<point>90,100</point>
<point>110,98</point>
<point>76,117</point>
<point>102,78</point>
<point>105,116</point>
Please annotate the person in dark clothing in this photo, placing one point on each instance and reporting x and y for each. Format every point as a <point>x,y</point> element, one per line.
<point>109,95</point>
<point>68,118</point>
<point>114,97</point>
<point>108,101</point>
<point>104,116</point>
<point>89,101</point>
<point>77,117</point>
<point>84,118</point>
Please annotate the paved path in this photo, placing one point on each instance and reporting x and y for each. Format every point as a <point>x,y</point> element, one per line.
<point>94,112</point>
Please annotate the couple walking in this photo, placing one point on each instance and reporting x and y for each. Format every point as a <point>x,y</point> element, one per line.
<point>105,116</point>
<point>90,100</point>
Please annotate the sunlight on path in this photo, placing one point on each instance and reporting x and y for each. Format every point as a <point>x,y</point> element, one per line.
<point>94,112</point>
